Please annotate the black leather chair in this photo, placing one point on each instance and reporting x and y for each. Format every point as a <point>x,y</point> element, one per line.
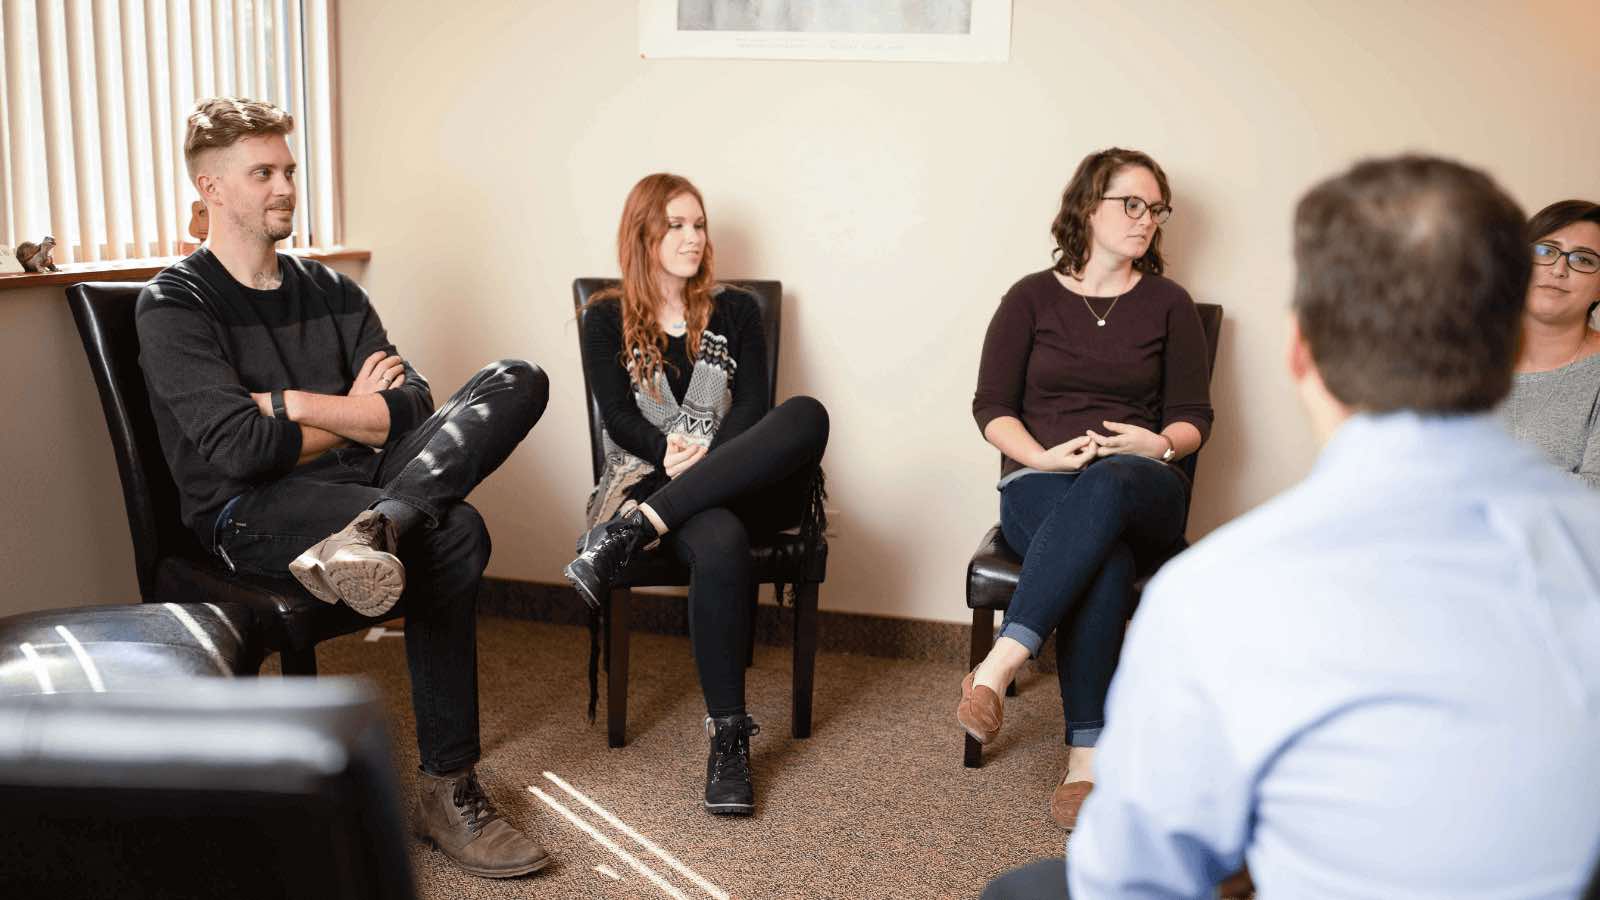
<point>240,789</point>
<point>127,647</point>
<point>779,563</point>
<point>170,563</point>
<point>994,569</point>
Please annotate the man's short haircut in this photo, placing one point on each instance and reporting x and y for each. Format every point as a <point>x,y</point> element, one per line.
<point>1411,277</point>
<point>220,122</point>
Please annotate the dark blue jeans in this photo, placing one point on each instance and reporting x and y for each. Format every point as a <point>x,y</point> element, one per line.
<point>1080,536</point>
<point>1042,880</point>
<point>432,467</point>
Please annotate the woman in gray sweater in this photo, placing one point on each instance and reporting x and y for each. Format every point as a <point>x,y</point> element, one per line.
<point>1555,392</point>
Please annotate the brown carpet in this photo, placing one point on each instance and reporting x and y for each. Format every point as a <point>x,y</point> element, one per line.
<point>875,804</point>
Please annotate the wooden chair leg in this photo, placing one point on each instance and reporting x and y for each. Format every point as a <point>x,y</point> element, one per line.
<point>298,662</point>
<point>982,643</point>
<point>616,638</point>
<point>755,609</point>
<point>805,657</point>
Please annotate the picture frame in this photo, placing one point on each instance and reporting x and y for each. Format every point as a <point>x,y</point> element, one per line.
<point>955,31</point>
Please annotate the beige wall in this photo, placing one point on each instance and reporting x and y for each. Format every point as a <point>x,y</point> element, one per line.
<point>63,527</point>
<point>487,154</point>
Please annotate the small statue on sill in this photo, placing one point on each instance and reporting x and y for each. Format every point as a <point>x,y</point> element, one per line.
<point>199,227</point>
<point>36,257</point>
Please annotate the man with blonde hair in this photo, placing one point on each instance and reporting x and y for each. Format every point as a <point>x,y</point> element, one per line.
<point>302,442</point>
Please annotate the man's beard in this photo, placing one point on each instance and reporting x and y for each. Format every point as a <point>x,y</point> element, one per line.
<point>264,226</point>
<point>278,232</point>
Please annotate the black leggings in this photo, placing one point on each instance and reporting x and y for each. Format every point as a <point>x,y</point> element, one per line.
<point>755,485</point>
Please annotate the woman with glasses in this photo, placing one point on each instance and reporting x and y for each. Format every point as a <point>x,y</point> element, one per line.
<point>1092,382</point>
<point>1555,393</point>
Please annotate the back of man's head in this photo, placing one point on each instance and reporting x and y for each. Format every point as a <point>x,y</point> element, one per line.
<point>218,123</point>
<point>1412,274</point>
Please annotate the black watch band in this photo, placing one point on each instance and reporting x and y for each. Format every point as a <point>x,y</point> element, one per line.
<point>279,410</point>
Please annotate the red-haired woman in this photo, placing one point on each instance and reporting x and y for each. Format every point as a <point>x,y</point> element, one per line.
<point>693,456</point>
<point>1093,380</point>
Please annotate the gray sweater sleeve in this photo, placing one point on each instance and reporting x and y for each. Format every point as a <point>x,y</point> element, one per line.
<point>1589,468</point>
<point>188,372</point>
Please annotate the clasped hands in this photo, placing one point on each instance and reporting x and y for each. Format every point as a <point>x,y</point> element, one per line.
<point>1073,455</point>
<point>681,454</point>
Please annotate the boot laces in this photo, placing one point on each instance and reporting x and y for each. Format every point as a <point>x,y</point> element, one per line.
<point>616,540</point>
<point>373,530</point>
<point>733,750</point>
<point>476,810</point>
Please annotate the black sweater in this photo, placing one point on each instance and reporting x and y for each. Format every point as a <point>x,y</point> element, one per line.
<point>206,342</point>
<point>734,315</point>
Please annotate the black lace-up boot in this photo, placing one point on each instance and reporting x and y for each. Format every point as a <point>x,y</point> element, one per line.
<point>605,551</point>
<point>728,788</point>
<point>455,815</point>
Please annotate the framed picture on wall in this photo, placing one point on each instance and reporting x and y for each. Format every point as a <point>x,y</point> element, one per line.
<point>885,30</point>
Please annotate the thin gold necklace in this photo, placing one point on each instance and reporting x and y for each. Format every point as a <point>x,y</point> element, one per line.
<point>1099,320</point>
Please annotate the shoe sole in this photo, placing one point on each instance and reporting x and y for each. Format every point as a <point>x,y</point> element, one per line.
<point>370,584</point>
<point>488,873</point>
<point>730,809</point>
<point>978,736</point>
<point>307,570</point>
<point>575,574</point>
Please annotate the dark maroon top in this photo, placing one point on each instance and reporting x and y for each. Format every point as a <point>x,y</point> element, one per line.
<point>1047,363</point>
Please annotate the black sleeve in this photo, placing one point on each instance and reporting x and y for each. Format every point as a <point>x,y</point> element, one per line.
<point>1186,375</point>
<point>409,403</point>
<point>188,373</point>
<point>750,390</point>
<point>1003,364</point>
<point>613,389</point>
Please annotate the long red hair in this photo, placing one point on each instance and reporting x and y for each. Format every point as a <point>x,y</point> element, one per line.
<point>639,236</point>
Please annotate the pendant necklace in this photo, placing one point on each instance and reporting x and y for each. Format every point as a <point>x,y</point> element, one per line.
<point>1100,320</point>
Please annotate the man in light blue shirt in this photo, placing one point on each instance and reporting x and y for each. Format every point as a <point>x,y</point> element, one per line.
<point>1384,683</point>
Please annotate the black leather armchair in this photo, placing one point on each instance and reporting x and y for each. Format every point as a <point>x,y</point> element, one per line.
<point>994,569</point>
<point>170,563</point>
<point>778,563</point>
<point>238,789</point>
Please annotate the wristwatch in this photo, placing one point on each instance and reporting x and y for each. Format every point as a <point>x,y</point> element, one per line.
<point>280,410</point>
<point>1170,452</point>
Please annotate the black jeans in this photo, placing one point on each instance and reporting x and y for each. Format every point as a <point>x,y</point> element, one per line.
<point>1079,536</point>
<point>433,467</point>
<point>753,486</point>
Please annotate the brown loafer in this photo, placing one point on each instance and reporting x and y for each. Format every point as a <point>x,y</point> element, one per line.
<point>1067,800</point>
<point>980,711</point>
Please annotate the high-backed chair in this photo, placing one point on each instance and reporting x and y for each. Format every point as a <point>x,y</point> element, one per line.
<point>994,569</point>
<point>780,562</point>
<point>246,789</point>
<point>168,559</point>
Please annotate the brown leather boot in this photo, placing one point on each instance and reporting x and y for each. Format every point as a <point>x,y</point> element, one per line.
<point>356,564</point>
<point>455,815</point>
<point>980,711</point>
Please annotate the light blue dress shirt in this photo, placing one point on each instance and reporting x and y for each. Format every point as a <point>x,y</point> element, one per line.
<point>1384,683</point>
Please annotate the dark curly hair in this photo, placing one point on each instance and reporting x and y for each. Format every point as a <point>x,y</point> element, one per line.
<point>1084,192</point>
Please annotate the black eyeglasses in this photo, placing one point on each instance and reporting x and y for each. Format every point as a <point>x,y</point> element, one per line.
<point>1585,261</point>
<point>1135,207</point>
